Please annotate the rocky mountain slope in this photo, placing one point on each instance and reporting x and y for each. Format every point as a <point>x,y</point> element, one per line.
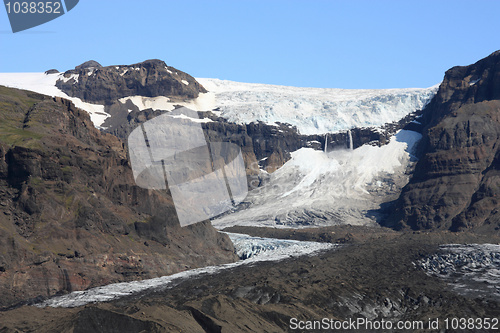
<point>70,214</point>
<point>456,183</point>
<point>70,218</point>
<point>104,85</point>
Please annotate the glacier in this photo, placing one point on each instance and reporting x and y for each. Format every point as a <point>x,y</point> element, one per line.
<point>311,110</point>
<point>264,249</point>
<point>315,188</point>
<point>469,269</point>
<point>247,247</point>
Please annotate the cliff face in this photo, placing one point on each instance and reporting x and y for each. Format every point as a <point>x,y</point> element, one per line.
<point>71,216</point>
<point>104,85</point>
<point>456,183</point>
<point>268,147</point>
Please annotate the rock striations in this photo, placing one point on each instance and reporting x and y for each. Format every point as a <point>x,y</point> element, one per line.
<point>70,214</point>
<point>456,183</point>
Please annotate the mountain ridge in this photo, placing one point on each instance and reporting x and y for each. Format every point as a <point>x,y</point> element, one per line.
<point>150,78</point>
<point>454,185</point>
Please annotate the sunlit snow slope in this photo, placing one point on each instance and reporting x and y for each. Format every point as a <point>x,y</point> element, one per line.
<point>46,85</point>
<point>317,189</point>
<point>314,110</point>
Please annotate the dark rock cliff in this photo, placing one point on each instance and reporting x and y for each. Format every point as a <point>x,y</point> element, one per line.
<point>456,183</point>
<point>104,85</point>
<point>71,216</point>
<point>268,147</point>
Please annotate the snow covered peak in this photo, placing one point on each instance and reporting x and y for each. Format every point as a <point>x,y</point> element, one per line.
<point>314,110</point>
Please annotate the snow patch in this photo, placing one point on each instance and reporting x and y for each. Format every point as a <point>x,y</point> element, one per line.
<point>471,83</point>
<point>155,103</point>
<point>75,77</point>
<point>46,84</point>
<point>204,102</point>
<point>185,82</point>
<point>195,120</point>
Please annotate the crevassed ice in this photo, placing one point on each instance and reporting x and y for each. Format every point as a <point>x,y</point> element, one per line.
<point>314,110</point>
<point>471,270</point>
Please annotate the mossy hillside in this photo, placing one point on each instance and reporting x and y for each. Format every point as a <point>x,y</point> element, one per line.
<point>14,105</point>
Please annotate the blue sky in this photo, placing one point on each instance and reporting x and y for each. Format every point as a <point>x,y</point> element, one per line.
<point>310,43</point>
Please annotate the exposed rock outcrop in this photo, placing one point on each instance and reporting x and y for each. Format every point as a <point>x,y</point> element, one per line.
<point>104,85</point>
<point>51,71</point>
<point>268,147</point>
<point>456,183</point>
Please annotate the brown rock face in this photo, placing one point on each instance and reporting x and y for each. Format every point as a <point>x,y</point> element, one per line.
<point>151,78</point>
<point>71,216</point>
<point>456,182</point>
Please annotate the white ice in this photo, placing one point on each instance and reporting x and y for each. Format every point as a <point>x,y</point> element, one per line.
<point>314,110</point>
<point>317,188</point>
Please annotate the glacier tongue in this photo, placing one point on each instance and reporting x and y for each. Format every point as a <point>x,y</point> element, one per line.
<point>251,247</point>
<point>318,189</point>
<point>314,110</point>
<point>265,249</point>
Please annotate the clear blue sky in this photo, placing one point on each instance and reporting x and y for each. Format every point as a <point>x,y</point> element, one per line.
<point>313,43</point>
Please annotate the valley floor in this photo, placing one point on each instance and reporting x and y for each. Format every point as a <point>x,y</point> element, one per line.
<point>374,275</point>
